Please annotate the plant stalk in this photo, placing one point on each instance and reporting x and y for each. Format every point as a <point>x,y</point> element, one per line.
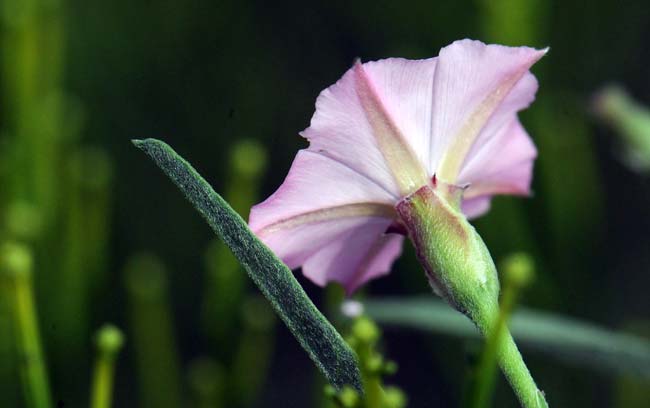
<point>510,361</point>
<point>109,343</point>
<point>15,275</point>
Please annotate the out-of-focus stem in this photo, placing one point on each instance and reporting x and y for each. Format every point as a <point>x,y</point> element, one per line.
<point>517,271</point>
<point>7,376</point>
<point>224,290</point>
<point>207,379</point>
<point>152,333</point>
<point>32,64</point>
<point>514,22</point>
<point>85,236</point>
<point>515,370</point>
<point>15,274</point>
<point>630,119</point>
<point>251,363</point>
<point>632,390</point>
<point>109,342</point>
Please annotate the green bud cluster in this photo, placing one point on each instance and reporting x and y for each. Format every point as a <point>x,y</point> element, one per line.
<point>364,338</point>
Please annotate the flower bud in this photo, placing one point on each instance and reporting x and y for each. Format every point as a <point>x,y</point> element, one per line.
<point>457,262</point>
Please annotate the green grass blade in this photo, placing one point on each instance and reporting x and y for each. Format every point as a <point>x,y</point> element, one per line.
<point>313,331</point>
<point>568,339</point>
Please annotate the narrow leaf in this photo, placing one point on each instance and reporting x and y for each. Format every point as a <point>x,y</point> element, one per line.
<point>313,331</point>
<point>568,339</point>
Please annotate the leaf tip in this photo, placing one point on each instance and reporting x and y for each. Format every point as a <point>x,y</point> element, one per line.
<point>139,143</point>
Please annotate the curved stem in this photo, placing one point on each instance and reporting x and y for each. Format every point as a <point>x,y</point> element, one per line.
<point>515,370</point>
<point>511,362</point>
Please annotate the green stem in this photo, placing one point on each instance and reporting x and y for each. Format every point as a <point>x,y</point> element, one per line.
<point>374,393</point>
<point>486,374</point>
<point>152,331</point>
<point>517,271</point>
<point>515,370</point>
<point>16,265</point>
<point>252,359</point>
<point>109,343</point>
<point>101,396</point>
<point>207,380</point>
<point>511,362</point>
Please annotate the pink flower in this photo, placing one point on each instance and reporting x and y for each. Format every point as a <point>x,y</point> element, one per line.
<point>383,131</point>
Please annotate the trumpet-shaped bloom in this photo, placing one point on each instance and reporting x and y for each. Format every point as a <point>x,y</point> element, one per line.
<point>384,130</point>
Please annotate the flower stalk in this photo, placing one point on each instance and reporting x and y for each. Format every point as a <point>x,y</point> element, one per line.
<point>16,279</point>
<point>109,343</point>
<point>152,331</point>
<point>461,271</point>
<point>518,272</point>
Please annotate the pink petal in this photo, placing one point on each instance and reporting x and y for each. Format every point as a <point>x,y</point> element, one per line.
<point>475,207</point>
<point>477,88</point>
<point>321,202</point>
<point>355,257</point>
<point>501,165</point>
<point>316,182</point>
<point>382,106</point>
<point>298,243</point>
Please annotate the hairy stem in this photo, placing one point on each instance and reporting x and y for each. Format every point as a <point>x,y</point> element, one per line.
<point>509,359</point>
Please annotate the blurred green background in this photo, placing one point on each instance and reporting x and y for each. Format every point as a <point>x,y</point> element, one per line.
<point>229,84</point>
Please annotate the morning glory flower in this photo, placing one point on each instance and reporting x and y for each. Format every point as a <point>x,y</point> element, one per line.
<point>387,129</point>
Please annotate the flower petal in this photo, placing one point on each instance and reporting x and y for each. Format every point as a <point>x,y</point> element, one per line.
<point>475,207</point>
<point>317,182</point>
<point>475,84</point>
<point>355,257</point>
<point>501,165</point>
<point>376,120</point>
<point>297,244</point>
<point>320,201</point>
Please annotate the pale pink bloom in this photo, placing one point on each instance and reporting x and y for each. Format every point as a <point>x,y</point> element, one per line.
<point>383,131</point>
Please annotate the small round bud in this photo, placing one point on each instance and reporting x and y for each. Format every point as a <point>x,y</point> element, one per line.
<point>329,391</point>
<point>518,270</point>
<point>15,259</point>
<point>109,339</point>
<point>394,398</point>
<point>365,330</point>
<point>349,397</point>
<point>390,367</point>
<point>375,363</point>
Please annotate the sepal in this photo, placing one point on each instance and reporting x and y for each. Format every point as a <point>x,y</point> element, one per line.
<point>457,262</point>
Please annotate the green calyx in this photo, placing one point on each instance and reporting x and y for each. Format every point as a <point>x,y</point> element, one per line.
<point>457,262</point>
<point>461,271</point>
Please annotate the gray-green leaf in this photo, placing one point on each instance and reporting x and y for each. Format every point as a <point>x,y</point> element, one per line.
<point>313,331</point>
<point>568,339</point>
